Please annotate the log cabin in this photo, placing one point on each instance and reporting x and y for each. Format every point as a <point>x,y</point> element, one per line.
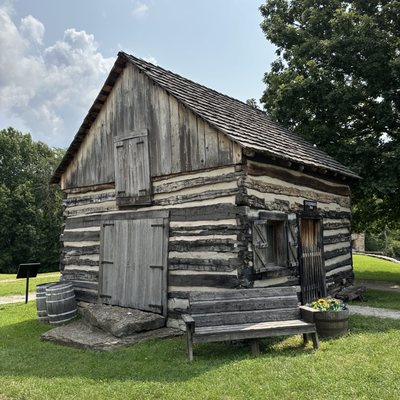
<point>171,187</point>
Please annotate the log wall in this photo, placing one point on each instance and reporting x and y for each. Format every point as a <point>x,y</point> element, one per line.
<point>206,246</point>
<point>179,141</point>
<point>278,189</point>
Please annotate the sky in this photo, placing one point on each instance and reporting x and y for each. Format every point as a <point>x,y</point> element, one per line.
<point>56,55</point>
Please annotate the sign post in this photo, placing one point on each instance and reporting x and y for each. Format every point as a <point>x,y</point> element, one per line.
<point>28,270</point>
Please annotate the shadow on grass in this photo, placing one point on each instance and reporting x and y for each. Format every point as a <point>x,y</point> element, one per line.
<point>24,355</point>
<point>385,276</point>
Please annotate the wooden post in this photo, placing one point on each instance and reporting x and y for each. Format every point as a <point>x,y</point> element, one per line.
<point>189,338</point>
<point>27,288</point>
<point>315,340</point>
<point>305,339</point>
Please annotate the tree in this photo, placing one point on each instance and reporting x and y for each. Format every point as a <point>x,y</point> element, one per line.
<point>30,208</point>
<point>252,103</point>
<point>336,82</point>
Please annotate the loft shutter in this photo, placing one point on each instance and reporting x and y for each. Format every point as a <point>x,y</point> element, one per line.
<point>132,169</point>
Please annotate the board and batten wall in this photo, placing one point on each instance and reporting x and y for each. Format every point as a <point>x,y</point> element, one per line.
<point>275,188</point>
<point>206,238</point>
<point>179,141</point>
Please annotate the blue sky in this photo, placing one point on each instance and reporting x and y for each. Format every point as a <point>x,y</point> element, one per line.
<point>55,55</point>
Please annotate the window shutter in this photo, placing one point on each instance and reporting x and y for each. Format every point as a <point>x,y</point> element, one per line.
<point>293,244</point>
<point>132,169</point>
<point>260,245</point>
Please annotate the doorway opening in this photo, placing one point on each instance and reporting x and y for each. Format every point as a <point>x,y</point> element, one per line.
<point>312,271</point>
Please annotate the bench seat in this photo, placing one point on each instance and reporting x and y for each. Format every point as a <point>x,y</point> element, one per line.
<point>247,331</point>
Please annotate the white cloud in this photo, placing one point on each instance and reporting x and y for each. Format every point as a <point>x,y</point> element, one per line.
<point>140,10</point>
<point>49,89</point>
<point>32,29</point>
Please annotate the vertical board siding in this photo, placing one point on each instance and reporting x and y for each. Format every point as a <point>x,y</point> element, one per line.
<point>179,141</point>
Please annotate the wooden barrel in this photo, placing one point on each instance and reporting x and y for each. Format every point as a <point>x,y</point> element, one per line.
<point>60,303</point>
<point>332,323</point>
<point>41,301</point>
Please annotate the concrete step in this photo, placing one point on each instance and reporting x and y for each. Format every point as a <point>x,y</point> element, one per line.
<point>120,321</point>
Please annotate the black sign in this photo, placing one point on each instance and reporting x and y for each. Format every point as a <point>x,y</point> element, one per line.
<point>27,271</point>
<point>310,205</point>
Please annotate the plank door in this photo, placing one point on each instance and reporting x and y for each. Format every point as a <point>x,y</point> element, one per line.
<point>312,270</point>
<point>134,264</point>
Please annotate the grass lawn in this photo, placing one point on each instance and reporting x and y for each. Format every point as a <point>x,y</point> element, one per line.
<point>361,365</point>
<point>371,268</point>
<point>9,285</point>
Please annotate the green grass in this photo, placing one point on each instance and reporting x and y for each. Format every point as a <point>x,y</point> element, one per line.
<point>380,299</point>
<point>371,268</point>
<point>10,286</point>
<point>361,365</point>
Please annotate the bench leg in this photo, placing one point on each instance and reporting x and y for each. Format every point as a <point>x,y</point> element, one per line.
<point>305,339</point>
<point>189,345</point>
<point>255,347</point>
<point>315,340</point>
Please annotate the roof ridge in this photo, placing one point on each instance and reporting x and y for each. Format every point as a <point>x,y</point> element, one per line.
<point>258,110</point>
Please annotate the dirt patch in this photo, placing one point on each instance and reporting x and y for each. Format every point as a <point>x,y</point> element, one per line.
<point>374,312</point>
<point>16,298</point>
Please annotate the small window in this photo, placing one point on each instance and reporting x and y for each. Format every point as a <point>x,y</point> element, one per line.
<point>269,244</point>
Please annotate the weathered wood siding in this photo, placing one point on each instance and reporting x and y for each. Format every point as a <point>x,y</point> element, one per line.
<point>179,141</point>
<point>274,188</point>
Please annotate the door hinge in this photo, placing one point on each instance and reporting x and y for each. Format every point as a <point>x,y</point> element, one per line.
<point>156,266</point>
<point>105,296</point>
<point>107,262</point>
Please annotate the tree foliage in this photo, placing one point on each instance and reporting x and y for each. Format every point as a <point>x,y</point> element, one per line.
<point>30,208</point>
<point>336,82</point>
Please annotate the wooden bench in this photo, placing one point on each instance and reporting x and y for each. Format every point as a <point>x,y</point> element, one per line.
<point>245,314</point>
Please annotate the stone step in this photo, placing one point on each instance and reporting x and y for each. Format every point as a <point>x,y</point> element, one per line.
<point>79,334</point>
<point>121,321</point>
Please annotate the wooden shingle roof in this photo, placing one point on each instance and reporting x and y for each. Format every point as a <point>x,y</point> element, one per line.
<point>251,128</point>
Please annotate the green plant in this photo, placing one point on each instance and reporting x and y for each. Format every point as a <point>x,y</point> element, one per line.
<point>329,305</point>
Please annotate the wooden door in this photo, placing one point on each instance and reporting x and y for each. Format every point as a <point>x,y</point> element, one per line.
<point>312,270</point>
<point>134,263</point>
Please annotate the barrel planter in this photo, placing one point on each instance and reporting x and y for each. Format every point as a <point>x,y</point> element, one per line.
<point>61,303</point>
<point>41,301</point>
<point>332,323</point>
